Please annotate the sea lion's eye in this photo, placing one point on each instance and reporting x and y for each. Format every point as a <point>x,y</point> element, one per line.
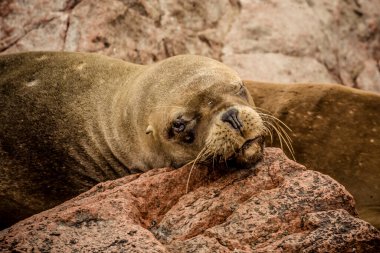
<point>179,125</point>
<point>242,92</point>
<point>182,129</point>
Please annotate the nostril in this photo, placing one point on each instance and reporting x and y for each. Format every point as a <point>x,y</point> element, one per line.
<point>231,116</point>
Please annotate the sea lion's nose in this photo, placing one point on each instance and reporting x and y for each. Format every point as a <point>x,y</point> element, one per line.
<point>231,117</point>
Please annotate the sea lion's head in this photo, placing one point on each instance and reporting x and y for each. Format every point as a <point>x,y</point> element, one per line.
<point>198,110</point>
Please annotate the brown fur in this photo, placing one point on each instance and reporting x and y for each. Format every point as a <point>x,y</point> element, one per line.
<point>71,120</point>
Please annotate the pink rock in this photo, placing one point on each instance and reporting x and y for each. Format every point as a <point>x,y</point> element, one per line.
<point>335,130</point>
<point>369,78</point>
<point>278,206</point>
<point>288,41</point>
<point>138,31</point>
<point>278,68</point>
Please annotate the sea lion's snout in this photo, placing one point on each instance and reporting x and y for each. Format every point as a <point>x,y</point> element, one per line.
<point>231,117</point>
<point>236,136</point>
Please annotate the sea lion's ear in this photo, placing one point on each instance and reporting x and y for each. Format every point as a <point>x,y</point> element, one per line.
<point>149,130</point>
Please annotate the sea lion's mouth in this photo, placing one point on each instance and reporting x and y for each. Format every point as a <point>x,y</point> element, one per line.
<point>252,144</point>
<point>249,153</point>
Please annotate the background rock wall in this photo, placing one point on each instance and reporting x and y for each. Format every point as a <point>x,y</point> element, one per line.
<point>277,41</point>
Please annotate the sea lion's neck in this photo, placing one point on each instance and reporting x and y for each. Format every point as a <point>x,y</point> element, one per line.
<point>108,145</point>
<point>113,127</point>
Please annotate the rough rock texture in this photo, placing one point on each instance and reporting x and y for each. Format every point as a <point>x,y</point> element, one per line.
<point>278,206</point>
<point>336,130</point>
<point>138,31</point>
<point>307,39</point>
<point>279,41</point>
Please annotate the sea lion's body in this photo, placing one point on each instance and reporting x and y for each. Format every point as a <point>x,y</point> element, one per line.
<point>54,116</point>
<point>71,120</point>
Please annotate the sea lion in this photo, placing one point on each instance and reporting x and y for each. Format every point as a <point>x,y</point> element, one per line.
<point>71,120</point>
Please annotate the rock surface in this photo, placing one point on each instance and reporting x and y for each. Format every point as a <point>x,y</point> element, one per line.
<point>278,206</point>
<point>279,41</point>
<point>335,130</point>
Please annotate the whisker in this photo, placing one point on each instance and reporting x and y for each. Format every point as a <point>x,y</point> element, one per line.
<point>224,154</point>
<point>204,149</point>
<point>278,126</point>
<point>213,160</point>
<point>286,138</point>
<point>232,147</point>
<point>268,131</point>
<point>276,119</point>
<point>168,106</point>
<point>277,132</point>
<point>262,109</point>
<point>281,138</point>
<point>289,140</point>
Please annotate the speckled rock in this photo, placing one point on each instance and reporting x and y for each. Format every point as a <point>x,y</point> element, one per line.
<point>335,130</point>
<point>277,206</point>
